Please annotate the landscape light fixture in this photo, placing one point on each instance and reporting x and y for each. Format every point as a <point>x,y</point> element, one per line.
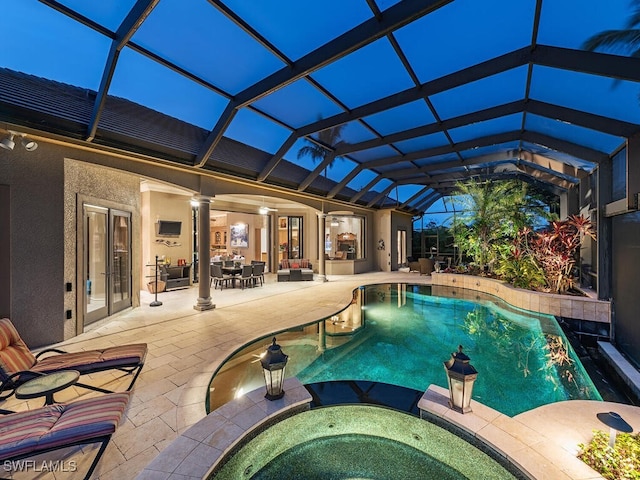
<point>8,143</point>
<point>616,424</point>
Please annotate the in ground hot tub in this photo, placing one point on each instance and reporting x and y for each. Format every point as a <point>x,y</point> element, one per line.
<point>357,441</point>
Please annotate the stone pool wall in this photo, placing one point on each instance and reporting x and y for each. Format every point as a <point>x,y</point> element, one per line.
<point>580,308</point>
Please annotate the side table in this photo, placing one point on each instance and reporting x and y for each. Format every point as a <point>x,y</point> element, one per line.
<point>47,385</point>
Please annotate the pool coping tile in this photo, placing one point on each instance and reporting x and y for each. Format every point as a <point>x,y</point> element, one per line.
<point>537,456</point>
<point>220,431</point>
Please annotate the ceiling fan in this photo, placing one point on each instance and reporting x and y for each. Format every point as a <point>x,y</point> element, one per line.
<point>263,210</point>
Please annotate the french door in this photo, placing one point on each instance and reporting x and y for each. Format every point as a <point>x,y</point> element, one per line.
<point>106,262</point>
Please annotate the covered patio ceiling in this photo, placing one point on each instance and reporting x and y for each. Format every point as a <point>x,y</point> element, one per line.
<point>427,92</point>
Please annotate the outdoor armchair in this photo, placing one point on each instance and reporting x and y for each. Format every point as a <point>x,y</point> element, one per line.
<point>18,364</point>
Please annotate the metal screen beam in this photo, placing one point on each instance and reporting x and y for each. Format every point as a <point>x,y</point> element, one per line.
<point>127,28</point>
<point>367,32</point>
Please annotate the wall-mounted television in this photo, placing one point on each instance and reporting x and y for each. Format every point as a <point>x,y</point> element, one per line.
<point>168,228</point>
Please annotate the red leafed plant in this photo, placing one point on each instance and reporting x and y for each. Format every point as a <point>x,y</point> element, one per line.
<point>556,249</point>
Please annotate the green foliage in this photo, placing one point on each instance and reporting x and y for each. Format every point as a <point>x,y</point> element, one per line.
<point>519,268</point>
<point>545,260</point>
<point>557,248</point>
<point>491,215</point>
<point>619,463</point>
<point>506,338</point>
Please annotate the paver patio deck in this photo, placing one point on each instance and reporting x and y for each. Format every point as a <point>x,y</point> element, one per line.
<point>186,346</point>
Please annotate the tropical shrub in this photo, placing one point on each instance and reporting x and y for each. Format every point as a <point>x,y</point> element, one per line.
<point>545,260</point>
<point>518,266</point>
<point>491,214</point>
<point>619,463</point>
<point>556,250</point>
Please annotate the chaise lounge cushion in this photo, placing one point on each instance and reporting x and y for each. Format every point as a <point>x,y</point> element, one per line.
<point>59,425</point>
<point>15,357</point>
<point>14,353</point>
<point>90,361</point>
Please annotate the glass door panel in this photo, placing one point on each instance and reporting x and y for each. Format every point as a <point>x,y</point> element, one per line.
<point>95,263</point>
<point>107,262</point>
<point>295,237</point>
<point>290,241</point>
<point>120,277</point>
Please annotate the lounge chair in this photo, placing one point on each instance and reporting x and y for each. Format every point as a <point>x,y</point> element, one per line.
<point>61,425</point>
<point>18,364</point>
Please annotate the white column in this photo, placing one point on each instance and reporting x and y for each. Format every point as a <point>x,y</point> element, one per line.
<point>322,217</point>
<point>204,255</point>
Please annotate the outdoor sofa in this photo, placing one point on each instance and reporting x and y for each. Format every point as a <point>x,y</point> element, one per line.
<point>287,265</point>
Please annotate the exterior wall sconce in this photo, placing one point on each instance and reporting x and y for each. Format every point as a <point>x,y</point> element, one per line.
<point>616,424</point>
<point>8,143</point>
<point>460,375</point>
<point>273,363</point>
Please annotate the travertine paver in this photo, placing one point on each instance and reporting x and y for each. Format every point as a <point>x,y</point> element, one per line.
<point>186,347</point>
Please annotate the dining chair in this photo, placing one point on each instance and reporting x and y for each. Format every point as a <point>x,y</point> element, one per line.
<point>219,278</point>
<point>258,273</point>
<point>246,277</point>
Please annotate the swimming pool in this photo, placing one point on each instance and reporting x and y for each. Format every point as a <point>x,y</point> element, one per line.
<point>358,441</point>
<point>400,334</point>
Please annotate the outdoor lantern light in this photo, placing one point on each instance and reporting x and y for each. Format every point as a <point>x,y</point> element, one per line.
<point>273,363</point>
<point>461,375</point>
<point>616,424</point>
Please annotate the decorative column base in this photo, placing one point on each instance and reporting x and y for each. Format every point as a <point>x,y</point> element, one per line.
<point>204,304</point>
<point>321,278</point>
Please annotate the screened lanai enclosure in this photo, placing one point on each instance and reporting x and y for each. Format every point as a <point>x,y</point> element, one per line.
<point>395,101</point>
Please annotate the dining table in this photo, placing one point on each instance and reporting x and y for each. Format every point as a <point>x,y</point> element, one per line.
<point>234,271</point>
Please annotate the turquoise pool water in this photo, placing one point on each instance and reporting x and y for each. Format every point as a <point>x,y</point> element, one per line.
<point>358,442</point>
<point>400,334</point>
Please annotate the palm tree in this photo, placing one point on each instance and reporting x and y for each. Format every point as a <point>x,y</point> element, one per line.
<point>330,137</point>
<point>625,41</point>
<point>492,212</point>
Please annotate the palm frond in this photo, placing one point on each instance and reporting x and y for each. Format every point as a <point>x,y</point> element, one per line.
<point>331,137</point>
<point>634,19</point>
<point>620,41</point>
